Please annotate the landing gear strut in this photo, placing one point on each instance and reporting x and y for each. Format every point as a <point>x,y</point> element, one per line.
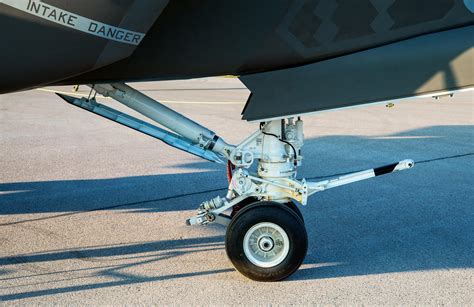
<point>266,237</point>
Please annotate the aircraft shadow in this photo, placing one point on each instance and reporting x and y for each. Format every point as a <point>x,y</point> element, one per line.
<point>105,264</point>
<point>324,157</point>
<point>416,220</point>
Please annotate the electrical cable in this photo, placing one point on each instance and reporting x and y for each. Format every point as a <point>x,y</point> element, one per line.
<point>283,141</point>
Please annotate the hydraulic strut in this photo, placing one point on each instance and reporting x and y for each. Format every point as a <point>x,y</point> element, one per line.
<point>165,116</point>
<point>167,137</point>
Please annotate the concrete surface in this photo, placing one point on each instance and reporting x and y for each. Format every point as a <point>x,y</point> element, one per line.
<point>93,213</point>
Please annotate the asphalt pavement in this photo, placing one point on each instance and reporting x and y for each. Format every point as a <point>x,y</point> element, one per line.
<point>94,213</point>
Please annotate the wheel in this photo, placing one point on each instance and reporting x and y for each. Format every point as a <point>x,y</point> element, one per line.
<point>252,200</point>
<point>293,206</point>
<point>266,241</point>
<point>236,208</point>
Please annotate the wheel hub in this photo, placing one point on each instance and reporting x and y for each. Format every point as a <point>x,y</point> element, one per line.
<point>266,244</point>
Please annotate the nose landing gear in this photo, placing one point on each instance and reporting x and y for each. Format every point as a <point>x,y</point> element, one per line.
<point>266,238</point>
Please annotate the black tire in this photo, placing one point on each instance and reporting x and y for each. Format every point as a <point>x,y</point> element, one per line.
<point>244,203</point>
<point>251,200</point>
<point>293,206</point>
<point>276,214</point>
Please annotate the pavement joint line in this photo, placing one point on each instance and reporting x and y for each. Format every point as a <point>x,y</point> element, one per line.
<point>202,192</point>
<point>113,207</point>
<point>416,163</point>
<point>444,158</point>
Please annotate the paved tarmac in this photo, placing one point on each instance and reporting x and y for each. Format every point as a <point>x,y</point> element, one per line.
<point>94,213</point>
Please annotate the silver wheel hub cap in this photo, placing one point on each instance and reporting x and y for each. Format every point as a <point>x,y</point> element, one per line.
<point>266,245</point>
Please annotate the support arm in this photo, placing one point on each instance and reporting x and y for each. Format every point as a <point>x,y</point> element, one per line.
<point>314,187</point>
<point>165,116</point>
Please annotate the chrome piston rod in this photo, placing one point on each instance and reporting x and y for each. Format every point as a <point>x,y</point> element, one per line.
<point>164,116</point>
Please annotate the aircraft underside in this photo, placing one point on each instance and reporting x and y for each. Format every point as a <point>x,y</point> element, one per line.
<point>295,56</point>
<point>314,50</point>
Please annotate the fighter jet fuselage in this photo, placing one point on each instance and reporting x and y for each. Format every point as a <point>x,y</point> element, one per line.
<point>72,42</point>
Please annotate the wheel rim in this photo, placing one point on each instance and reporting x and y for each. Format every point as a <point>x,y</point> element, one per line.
<point>266,245</point>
